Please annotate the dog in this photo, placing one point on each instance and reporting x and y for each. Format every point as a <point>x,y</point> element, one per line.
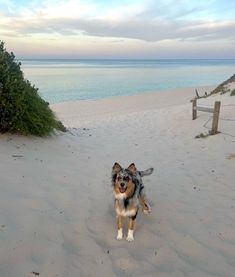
<point>129,195</point>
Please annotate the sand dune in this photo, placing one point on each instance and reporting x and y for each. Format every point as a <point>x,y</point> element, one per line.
<point>56,204</point>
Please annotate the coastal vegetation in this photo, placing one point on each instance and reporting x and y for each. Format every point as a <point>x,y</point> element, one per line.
<point>22,110</point>
<point>223,87</point>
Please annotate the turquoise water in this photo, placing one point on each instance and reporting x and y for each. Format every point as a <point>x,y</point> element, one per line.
<point>69,80</point>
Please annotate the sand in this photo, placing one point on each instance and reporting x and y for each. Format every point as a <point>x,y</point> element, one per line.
<point>56,205</point>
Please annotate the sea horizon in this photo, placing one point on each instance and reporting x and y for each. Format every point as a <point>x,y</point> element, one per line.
<point>119,59</point>
<point>65,79</point>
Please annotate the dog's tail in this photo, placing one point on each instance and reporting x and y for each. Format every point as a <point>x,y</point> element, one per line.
<point>146,172</point>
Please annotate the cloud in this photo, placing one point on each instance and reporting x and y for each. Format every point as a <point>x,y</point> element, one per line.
<point>151,30</point>
<point>150,22</point>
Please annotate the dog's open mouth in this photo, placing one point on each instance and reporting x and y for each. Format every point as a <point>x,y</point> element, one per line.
<point>122,190</point>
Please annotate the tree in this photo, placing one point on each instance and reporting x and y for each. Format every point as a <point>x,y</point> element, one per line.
<point>22,110</point>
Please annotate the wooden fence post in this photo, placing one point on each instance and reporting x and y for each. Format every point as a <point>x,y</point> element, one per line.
<point>194,111</point>
<point>215,120</point>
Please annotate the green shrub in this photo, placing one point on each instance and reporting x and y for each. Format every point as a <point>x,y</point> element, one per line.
<point>221,87</point>
<point>232,92</point>
<point>22,110</point>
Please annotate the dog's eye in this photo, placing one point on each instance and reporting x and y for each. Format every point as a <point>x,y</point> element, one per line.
<point>126,178</point>
<point>118,178</point>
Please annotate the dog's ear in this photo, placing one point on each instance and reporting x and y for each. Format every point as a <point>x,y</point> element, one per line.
<point>116,168</point>
<point>132,168</point>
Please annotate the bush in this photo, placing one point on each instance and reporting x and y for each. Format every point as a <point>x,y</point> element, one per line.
<point>202,135</point>
<point>22,110</point>
<point>221,87</point>
<point>232,92</point>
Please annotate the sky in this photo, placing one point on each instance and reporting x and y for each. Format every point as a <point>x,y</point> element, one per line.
<point>122,29</point>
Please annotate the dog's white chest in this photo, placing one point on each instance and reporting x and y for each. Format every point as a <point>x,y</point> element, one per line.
<point>122,211</point>
<point>125,213</point>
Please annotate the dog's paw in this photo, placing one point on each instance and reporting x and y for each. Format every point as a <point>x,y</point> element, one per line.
<point>119,234</point>
<point>130,239</point>
<point>119,237</point>
<point>130,236</point>
<point>147,209</point>
<point>147,212</point>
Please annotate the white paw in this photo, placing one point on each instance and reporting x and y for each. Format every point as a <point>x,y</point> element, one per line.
<point>130,236</point>
<point>119,234</point>
<point>130,239</point>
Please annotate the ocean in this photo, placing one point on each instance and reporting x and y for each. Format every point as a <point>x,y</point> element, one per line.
<point>75,80</point>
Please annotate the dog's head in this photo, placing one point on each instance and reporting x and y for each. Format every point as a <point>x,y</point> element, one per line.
<point>122,180</point>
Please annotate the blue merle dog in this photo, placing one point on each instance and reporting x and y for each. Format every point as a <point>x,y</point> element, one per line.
<point>129,195</point>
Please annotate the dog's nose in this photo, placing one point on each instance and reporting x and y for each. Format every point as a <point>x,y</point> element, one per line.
<point>122,185</point>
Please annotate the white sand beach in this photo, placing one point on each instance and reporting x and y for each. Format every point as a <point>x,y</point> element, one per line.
<point>56,205</point>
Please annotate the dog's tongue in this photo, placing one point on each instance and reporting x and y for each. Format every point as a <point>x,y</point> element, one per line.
<point>122,190</point>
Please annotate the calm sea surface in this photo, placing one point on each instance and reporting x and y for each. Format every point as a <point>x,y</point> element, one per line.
<point>69,80</point>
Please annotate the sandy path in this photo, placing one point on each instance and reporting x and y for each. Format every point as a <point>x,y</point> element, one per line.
<point>56,207</point>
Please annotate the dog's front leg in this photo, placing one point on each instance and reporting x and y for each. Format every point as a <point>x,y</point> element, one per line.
<point>131,227</point>
<point>119,227</point>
